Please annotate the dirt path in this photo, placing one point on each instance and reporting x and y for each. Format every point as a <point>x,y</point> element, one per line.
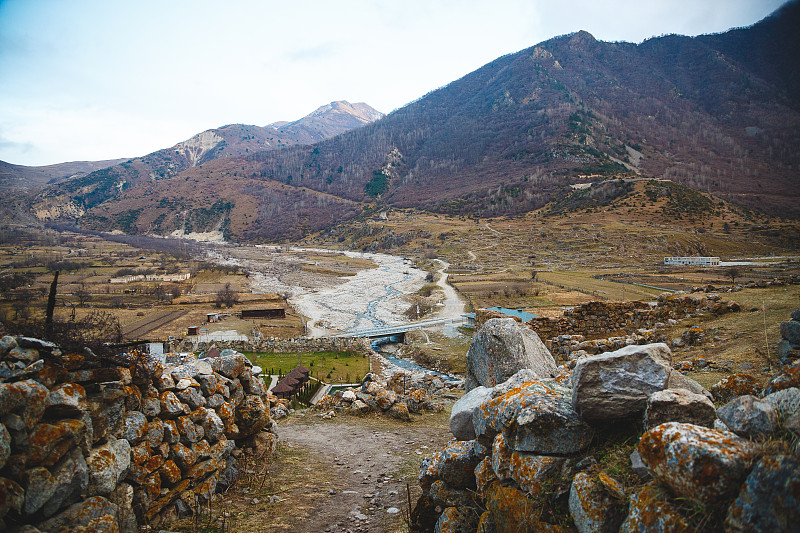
<point>152,322</point>
<point>346,474</point>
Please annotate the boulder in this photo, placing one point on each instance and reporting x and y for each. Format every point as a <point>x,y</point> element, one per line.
<point>399,411</point>
<point>532,472</point>
<point>535,418</point>
<point>349,396</point>
<point>5,445</point>
<point>512,511</point>
<point>27,398</point>
<point>455,465</point>
<point>650,511</point>
<point>616,385</point>
<point>501,348</point>
<point>592,509</point>
<point>39,486</point>
<point>229,366</point>
<point>679,405</point>
<point>501,458</point>
<point>484,475</point>
<point>697,462</point>
<point>49,442</point>
<point>464,409</point>
<point>454,520</point>
<point>748,417</point>
<point>769,500</point>
<point>251,415</point>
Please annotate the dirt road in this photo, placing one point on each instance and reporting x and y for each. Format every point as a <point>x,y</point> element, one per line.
<point>344,474</point>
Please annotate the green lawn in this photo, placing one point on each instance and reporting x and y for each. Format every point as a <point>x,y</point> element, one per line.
<point>330,367</point>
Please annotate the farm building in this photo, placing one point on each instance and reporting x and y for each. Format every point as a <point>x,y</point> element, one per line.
<point>264,312</point>
<point>692,261</point>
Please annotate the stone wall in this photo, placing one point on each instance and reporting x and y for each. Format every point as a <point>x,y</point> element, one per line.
<point>278,345</point>
<point>597,318</point>
<point>112,443</point>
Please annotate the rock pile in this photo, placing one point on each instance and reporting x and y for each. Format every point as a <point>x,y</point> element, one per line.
<point>399,397</point>
<point>527,458</point>
<point>106,443</point>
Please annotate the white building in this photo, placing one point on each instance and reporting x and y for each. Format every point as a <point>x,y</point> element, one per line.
<point>692,261</point>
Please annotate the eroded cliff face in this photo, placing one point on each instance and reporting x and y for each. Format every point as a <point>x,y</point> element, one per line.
<point>195,148</point>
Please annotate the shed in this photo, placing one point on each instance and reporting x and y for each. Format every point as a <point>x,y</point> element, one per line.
<point>268,312</point>
<point>193,330</point>
<point>281,390</point>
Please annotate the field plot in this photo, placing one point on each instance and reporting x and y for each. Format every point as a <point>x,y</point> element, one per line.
<point>330,367</point>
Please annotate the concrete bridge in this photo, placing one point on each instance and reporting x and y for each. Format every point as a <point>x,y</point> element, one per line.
<point>387,331</point>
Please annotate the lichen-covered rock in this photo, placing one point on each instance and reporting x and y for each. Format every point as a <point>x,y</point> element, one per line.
<point>679,405</point>
<point>592,509</point>
<point>399,410</point>
<point>789,376</point>
<point>71,477</point>
<point>503,347</point>
<point>484,475</point>
<point>453,520</point>
<point>67,399</point>
<point>135,426</point>
<point>650,511</point>
<point>513,512</point>
<point>786,401</point>
<point>229,366</point>
<point>107,463</point>
<point>697,462</point>
<point>535,418</point>
<point>213,427</point>
<point>445,496</point>
<point>5,445</point>
<point>769,500</point>
<point>616,385</point>
<point>189,431</point>
<point>183,456</point>
<point>501,458</point>
<point>749,417</point>
<point>39,486</point>
<point>735,385</point>
<point>455,464</point>
<point>386,399</point>
<point>49,442</point>
<point>251,415</point>
<point>531,472</point>
<point>12,497</point>
<point>464,409</point>
<point>26,398</point>
<point>97,510</point>
<point>171,406</point>
<point>790,330</point>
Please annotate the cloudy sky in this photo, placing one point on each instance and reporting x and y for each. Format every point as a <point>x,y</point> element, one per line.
<point>91,80</point>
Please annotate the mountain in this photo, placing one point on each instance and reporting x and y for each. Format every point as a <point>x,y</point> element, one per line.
<point>719,113</point>
<point>73,197</point>
<point>25,177</point>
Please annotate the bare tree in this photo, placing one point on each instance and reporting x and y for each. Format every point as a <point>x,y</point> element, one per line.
<point>82,295</point>
<point>733,273</point>
<point>226,296</point>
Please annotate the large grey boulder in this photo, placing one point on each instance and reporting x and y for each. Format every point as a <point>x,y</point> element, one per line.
<point>679,405</point>
<point>749,417</point>
<point>461,416</point>
<point>501,348</point>
<point>616,385</point>
<point>107,465</point>
<point>786,401</point>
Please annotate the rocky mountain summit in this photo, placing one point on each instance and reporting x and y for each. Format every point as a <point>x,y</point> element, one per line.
<point>534,453</point>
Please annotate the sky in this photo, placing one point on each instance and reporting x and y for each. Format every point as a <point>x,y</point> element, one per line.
<point>86,80</point>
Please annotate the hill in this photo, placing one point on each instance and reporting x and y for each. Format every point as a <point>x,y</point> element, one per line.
<point>25,177</point>
<point>719,113</point>
<point>73,197</point>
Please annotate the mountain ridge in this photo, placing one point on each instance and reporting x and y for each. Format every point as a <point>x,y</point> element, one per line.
<point>515,133</point>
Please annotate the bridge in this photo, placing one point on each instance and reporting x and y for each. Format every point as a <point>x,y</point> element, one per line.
<point>387,331</point>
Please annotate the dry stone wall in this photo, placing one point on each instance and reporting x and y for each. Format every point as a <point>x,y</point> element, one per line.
<point>596,319</point>
<point>113,444</point>
<point>278,345</point>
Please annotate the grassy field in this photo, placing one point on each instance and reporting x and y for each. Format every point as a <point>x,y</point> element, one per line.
<point>330,367</point>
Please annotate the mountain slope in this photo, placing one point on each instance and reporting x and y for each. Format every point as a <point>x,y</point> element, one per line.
<point>24,177</point>
<point>73,197</point>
